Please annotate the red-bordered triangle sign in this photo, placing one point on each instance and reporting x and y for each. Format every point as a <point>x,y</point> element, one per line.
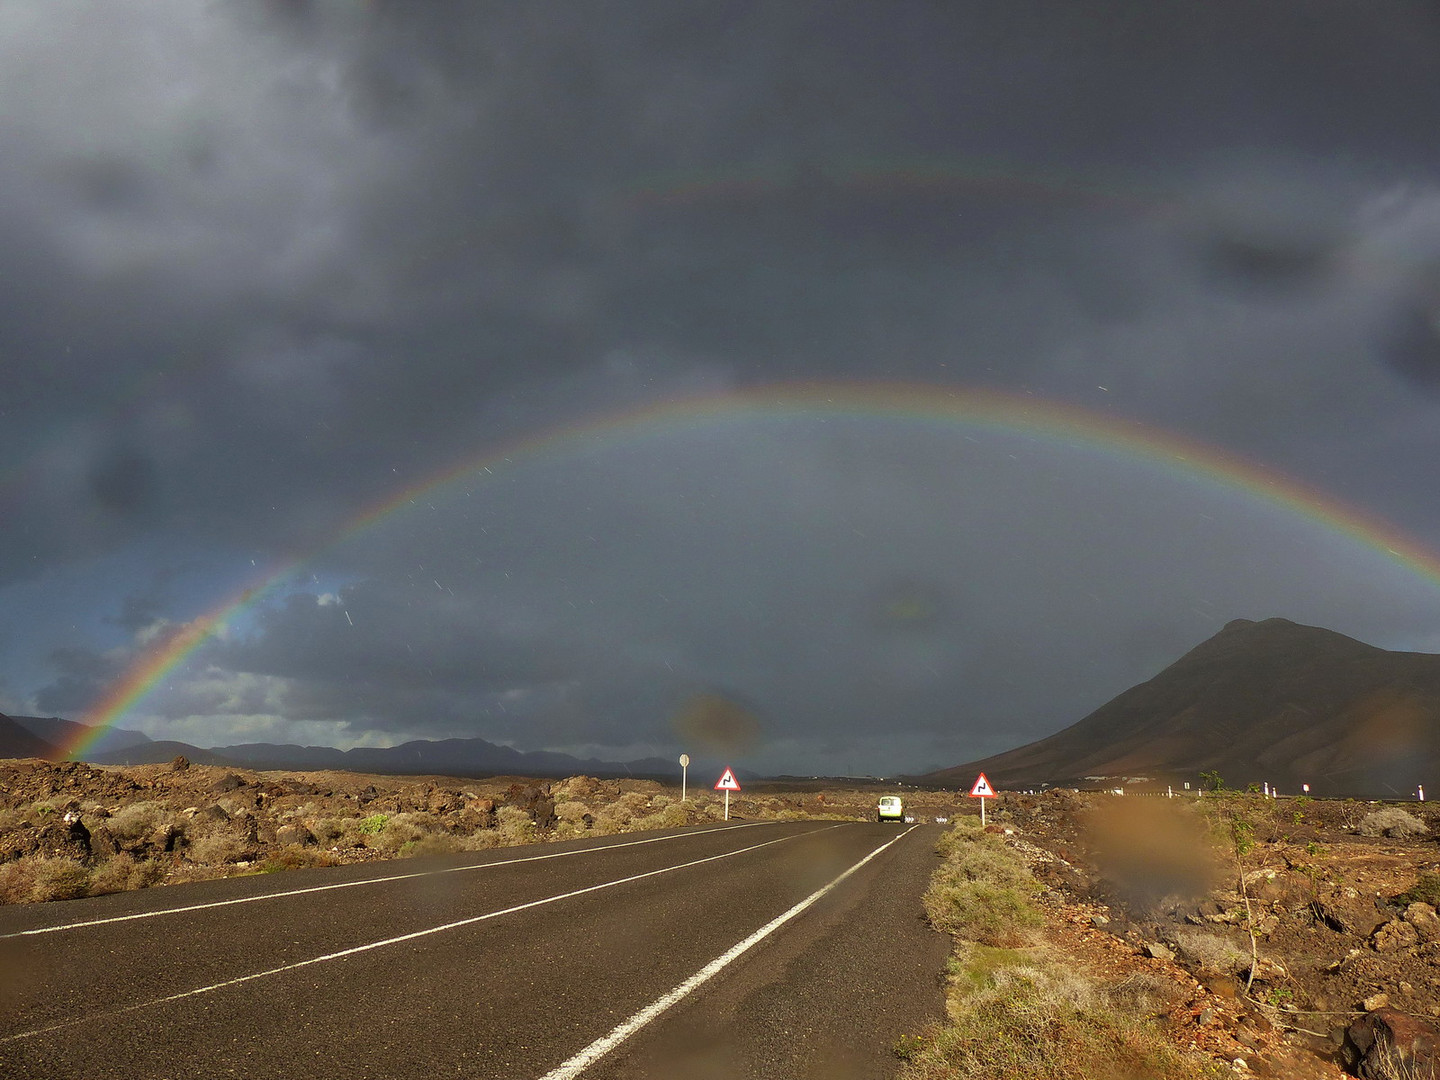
<point>982,788</point>
<point>727,782</point>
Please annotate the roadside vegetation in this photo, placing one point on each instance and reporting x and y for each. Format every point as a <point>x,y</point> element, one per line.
<point>1014,1008</point>
<point>69,830</point>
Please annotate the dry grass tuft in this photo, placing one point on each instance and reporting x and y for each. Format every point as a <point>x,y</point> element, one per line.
<point>1017,1011</point>
<point>1043,1022</point>
<point>515,826</point>
<point>37,878</point>
<point>138,821</point>
<point>982,892</point>
<point>124,872</point>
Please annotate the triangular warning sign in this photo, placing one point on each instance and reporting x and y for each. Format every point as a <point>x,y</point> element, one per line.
<point>982,788</point>
<point>727,782</point>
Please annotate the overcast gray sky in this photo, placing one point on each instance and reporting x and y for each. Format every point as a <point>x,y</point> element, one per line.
<point>266,266</point>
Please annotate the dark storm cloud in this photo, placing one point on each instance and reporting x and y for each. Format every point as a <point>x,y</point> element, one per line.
<point>263,266</point>
<point>83,675</point>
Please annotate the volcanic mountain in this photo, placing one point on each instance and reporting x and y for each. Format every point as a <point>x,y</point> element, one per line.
<point>1260,702</point>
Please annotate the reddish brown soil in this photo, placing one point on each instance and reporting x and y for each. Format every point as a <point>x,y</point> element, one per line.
<point>1150,888</point>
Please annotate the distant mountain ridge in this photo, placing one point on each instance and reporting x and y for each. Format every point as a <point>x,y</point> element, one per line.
<point>1263,702</point>
<point>62,734</point>
<point>45,737</point>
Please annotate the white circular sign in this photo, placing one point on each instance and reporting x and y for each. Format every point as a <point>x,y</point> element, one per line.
<point>684,761</point>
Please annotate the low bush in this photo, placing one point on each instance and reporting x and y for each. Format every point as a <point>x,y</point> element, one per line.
<point>1043,1022</point>
<point>37,878</point>
<point>1392,821</point>
<point>216,848</point>
<point>515,826</point>
<point>983,891</point>
<point>398,831</point>
<point>572,811</point>
<point>138,821</point>
<point>13,817</point>
<point>123,872</point>
<point>373,824</point>
<point>330,829</point>
<point>624,810</point>
<point>998,915</point>
<point>672,816</point>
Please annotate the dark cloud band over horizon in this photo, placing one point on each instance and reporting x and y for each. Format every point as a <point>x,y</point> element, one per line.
<point>267,270</point>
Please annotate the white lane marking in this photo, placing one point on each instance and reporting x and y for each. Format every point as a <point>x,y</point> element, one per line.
<point>603,1045</point>
<point>397,940</point>
<point>367,881</point>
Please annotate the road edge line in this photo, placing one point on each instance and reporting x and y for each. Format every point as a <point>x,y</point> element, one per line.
<point>626,1028</point>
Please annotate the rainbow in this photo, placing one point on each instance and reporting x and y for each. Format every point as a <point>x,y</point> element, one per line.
<point>976,410</point>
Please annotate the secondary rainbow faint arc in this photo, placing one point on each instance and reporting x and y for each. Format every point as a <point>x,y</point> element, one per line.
<point>1010,413</point>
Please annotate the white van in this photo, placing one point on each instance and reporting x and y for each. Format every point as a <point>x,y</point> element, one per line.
<point>891,808</point>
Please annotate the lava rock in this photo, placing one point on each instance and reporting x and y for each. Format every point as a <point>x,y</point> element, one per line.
<point>1378,1040</point>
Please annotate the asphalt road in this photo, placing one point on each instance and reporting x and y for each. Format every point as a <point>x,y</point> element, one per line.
<point>767,950</point>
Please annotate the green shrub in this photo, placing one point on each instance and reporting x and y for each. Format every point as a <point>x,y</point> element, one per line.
<point>373,824</point>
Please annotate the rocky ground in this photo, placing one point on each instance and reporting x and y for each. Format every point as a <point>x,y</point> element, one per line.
<point>1283,933</point>
<point>1296,937</point>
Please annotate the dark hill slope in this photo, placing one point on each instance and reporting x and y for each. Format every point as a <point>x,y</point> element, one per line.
<point>1270,701</point>
<point>68,733</point>
<point>18,742</point>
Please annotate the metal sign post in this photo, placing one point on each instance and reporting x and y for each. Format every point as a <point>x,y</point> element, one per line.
<point>727,783</point>
<point>684,771</point>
